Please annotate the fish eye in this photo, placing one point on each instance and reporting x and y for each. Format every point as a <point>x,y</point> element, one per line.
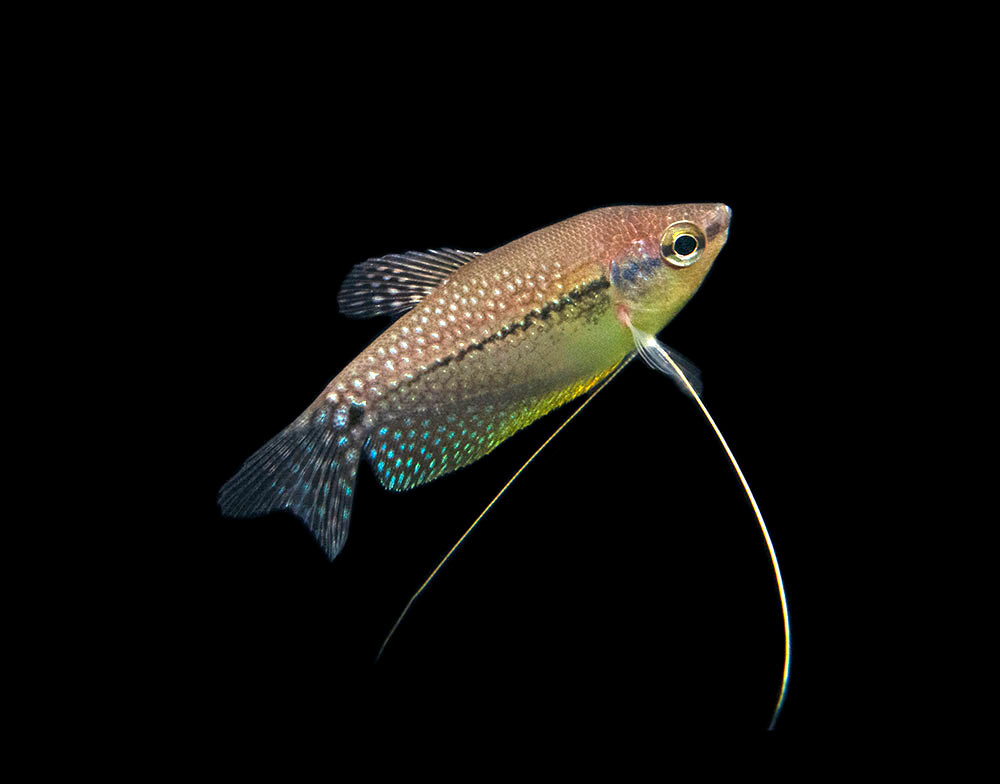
<point>685,245</point>
<point>681,244</point>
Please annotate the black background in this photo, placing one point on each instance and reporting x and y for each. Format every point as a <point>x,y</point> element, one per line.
<point>622,581</point>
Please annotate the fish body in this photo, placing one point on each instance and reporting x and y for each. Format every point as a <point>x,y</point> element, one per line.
<point>487,343</point>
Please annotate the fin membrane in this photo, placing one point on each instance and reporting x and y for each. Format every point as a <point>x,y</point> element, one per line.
<point>393,284</point>
<point>655,354</point>
<point>308,469</point>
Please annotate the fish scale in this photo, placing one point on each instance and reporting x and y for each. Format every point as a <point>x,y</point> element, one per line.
<point>459,408</point>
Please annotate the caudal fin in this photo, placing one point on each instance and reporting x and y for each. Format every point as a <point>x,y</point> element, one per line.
<point>308,469</point>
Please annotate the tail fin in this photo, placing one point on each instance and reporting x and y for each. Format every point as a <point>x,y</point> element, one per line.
<point>308,469</point>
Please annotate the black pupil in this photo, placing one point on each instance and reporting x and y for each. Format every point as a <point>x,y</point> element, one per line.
<point>685,245</point>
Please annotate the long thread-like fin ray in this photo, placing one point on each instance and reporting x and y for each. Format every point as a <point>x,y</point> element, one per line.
<point>662,355</point>
<point>489,506</point>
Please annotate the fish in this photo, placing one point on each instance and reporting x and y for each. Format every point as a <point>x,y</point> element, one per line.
<point>484,345</point>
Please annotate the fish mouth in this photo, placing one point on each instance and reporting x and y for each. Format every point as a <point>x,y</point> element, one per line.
<point>719,221</point>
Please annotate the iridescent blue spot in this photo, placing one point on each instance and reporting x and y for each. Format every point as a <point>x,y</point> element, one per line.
<point>451,434</point>
<point>391,454</point>
<point>409,462</point>
<point>342,441</point>
<point>326,488</point>
<point>423,450</point>
<point>295,468</point>
<point>347,490</point>
<point>321,416</point>
<point>426,434</point>
<point>383,430</point>
<point>381,464</point>
<point>309,448</point>
<point>397,435</point>
<point>399,462</point>
<point>392,482</point>
<point>411,434</point>
<point>416,468</point>
<point>340,417</point>
<point>437,441</point>
<point>382,448</point>
<point>374,454</point>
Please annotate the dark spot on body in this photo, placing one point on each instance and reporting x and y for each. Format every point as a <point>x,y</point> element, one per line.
<point>355,414</point>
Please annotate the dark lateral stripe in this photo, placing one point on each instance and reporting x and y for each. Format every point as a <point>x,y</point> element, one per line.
<point>570,298</point>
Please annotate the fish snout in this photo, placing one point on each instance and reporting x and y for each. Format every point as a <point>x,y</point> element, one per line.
<point>717,221</point>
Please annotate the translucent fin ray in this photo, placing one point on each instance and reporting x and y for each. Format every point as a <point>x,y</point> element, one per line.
<point>391,285</point>
<point>666,360</point>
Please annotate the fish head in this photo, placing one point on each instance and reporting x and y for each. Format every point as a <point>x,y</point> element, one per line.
<point>662,256</point>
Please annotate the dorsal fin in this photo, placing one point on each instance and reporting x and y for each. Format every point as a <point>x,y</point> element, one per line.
<point>395,283</point>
